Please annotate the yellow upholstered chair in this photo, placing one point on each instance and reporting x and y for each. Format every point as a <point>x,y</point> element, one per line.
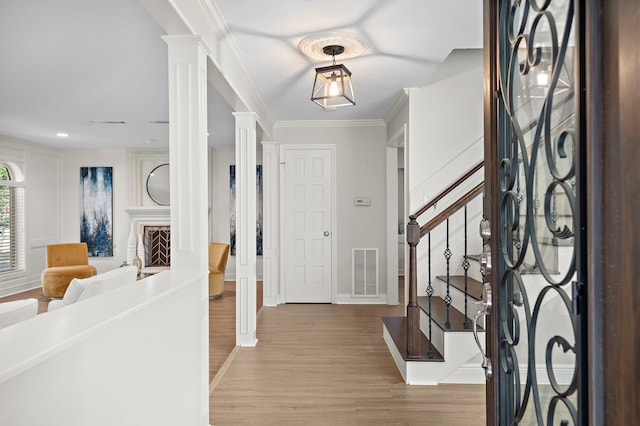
<point>218,255</point>
<point>64,263</point>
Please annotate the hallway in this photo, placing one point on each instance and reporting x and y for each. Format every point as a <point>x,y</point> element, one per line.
<point>323,364</point>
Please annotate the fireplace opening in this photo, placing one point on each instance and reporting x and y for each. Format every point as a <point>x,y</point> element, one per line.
<point>157,245</point>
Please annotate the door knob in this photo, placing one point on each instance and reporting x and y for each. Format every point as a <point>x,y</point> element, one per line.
<point>485,229</point>
<point>486,303</point>
<point>485,260</point>
<point>327,233</point>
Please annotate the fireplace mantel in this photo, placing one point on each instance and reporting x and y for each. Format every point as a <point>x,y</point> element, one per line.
<point>148,216</point>
<point>149,212</point>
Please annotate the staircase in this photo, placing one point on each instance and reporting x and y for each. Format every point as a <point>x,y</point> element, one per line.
<point>434,343</point>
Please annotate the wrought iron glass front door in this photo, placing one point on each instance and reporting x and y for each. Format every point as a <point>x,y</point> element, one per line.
<point>536,336</point>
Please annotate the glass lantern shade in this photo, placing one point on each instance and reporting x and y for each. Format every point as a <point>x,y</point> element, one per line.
<point>332,87</point>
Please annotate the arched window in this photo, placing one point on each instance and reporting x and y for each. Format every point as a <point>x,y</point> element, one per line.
<point>11,219</point>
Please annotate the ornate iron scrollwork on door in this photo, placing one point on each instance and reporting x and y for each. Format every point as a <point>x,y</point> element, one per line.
<point>537,363</point>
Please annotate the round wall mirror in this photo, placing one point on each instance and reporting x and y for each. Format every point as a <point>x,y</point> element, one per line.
<point>158,185</point>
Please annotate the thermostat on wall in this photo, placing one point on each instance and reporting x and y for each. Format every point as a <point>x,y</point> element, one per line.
<point>362,201</point>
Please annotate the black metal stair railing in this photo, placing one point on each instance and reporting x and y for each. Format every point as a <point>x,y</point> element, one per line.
<point>415,233</point>
<point>429,295</point>
<point>465,266</point>
<point>447,298</point>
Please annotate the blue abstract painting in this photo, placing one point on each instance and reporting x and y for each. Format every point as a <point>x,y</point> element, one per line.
<point>96,210</point>
<point>232,188</point>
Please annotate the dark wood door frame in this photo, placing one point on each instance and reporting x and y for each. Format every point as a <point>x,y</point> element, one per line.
<point>613,244</point>
<point>491,209</point>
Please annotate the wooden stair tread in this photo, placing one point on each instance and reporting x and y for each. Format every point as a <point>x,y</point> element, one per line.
<point>474,287</point>
<point>397,328</point>
<point>475,257</point>
<point>439,315</point>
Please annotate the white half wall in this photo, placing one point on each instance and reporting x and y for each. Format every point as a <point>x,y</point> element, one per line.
<point>126,357</point>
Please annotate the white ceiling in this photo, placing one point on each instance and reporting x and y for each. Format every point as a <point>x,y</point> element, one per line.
<point>74,65</point>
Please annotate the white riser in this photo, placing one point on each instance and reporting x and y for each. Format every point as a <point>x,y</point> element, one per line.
<point>454,369</point>
<point>437,334</point>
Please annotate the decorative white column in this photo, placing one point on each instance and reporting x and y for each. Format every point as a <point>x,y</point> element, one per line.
<point>188,153</point>
<point>189,181</point>
<point>245,228</point>
<point>271,223</point>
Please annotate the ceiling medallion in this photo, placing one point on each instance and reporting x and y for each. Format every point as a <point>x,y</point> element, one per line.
<point>312,46</point>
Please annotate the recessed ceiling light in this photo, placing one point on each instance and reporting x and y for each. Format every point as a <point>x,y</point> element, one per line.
<point>62,135</point>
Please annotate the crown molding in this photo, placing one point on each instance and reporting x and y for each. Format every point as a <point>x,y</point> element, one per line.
<point>229,73</point>
<point>400,101</point>
<point>252,97</point>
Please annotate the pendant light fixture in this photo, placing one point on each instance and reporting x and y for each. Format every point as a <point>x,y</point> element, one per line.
<point>332,87</point>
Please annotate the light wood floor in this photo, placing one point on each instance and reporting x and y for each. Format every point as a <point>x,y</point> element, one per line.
<point>222,325</point>
<point>319,365</point>
<point>328,365</point>
<point>36,293</point>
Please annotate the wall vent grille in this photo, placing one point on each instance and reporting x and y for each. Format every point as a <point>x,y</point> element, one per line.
<point>365,272</point>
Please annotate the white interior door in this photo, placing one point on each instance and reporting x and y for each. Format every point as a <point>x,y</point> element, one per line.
<point>307,226</point>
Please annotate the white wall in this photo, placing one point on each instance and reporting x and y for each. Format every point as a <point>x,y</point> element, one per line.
<point>43,208</point>
<point>445,141</point>
<point>132,356</point>
<point>52,202</point>
<point>360,157</point>
<point>70,225</point>
<point>446,127</point>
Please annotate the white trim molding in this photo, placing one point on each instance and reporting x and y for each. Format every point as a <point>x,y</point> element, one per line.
<point>246,228</point>
<point>271,221</point>
<point>400,101</point>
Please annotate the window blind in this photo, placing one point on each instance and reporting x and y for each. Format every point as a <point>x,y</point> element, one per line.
<point>11,224</point>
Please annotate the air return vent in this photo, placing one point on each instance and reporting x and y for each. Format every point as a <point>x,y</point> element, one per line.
<point>365,272</point>
<point>92,122</point>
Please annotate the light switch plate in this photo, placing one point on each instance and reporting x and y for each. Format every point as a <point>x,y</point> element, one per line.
<point>362,201</point>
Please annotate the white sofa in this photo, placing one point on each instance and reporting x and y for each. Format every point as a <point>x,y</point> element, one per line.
<point>17,310</point>
<point>83,288</point>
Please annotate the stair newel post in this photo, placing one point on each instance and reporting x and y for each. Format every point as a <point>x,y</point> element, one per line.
<point>413,311</point>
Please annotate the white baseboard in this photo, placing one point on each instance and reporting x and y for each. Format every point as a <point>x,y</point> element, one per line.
<point>232,277</point>
<point>472,373</point>
<point>20,288</point>
<point>563,374</point>
<point>348,299</point>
